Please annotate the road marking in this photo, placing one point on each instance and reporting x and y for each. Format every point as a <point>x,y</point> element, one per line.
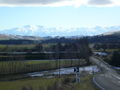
<point>98,84</point>
<point>116,76</point>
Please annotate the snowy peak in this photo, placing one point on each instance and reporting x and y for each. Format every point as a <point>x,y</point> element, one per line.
<point>42,31</point>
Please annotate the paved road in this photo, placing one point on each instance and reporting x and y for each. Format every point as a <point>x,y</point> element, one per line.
<point>109,79</point>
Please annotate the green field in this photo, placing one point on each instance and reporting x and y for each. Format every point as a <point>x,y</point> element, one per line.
<point>11,48</point>
<point>17,67</point>
<point>107,50</point>
<point>63,83</point>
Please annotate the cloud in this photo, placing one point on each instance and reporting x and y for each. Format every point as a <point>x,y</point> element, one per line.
<point>53,3</point>
<point>58,3</point>
<point>103,3</point>
<point>29,1</point>
<point>100,2</point>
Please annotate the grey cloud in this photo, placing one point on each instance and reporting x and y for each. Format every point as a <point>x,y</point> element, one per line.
<point>58,3</point>
<point>100,2</point>
<point>29,1</point>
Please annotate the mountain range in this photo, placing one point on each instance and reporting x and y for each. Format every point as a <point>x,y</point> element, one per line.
<point>108,37</point>
<point>42,31</point>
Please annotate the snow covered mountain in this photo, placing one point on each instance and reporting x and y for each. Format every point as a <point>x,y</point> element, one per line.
<point>37,30</point>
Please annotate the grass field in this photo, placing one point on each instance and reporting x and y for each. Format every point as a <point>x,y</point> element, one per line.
<point>16,67</point>
<point>11,48</point>
<point>107,50</point>
<point>63,83</point>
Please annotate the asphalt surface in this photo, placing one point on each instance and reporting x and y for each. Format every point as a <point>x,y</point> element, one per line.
<point>108,79</point>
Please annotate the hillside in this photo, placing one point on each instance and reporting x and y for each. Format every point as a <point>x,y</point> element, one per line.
<point>109,37</point>
<point>114,33</point>
<point>18,37</point>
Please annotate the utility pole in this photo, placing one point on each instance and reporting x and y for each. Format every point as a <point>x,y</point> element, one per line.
<point>58,56</point>
<point>59,62</point>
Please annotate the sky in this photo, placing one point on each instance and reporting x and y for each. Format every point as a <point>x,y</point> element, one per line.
<point>59,13</point>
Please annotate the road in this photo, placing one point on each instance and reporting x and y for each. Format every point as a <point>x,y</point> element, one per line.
<point>108,79</point>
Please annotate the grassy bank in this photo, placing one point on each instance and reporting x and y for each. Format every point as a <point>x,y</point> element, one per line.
<point>63,83</point>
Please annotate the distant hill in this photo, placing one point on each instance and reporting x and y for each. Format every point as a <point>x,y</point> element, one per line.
<point>114,33</point>
<point>4,37</point>
<point>18,37</point>
<point>109,37</point>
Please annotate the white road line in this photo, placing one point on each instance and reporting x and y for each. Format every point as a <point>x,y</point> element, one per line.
<point>98,84</point>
